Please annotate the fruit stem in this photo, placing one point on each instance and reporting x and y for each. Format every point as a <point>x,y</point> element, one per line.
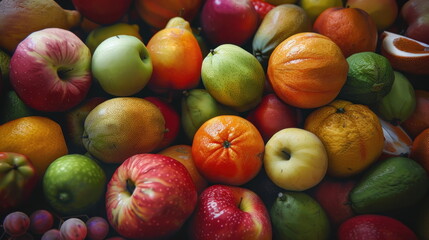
<point>226,144</point>
<point>212,51</point>
<point>341,110</point>
<point>287,154</point>
<point>239,203</point>
<point>130,186</point>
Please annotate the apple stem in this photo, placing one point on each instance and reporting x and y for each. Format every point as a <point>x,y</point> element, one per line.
<point>62,72</point>
<point>212,51</point>
<point>130,186</point>
<point>239,203</point>
<point>287,154</point>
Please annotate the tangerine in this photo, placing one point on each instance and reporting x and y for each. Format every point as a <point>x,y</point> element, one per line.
<point>228,149</point>
<point>307,70</point>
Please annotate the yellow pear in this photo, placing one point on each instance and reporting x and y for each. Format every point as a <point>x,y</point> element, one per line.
<point>19,18</point>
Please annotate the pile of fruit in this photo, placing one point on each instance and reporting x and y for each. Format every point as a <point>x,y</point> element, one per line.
<point>214,119</point>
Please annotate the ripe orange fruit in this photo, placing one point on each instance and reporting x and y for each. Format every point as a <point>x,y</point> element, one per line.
<point>307,70</point>
<point>176,59</point>
<point>39,138</point>
<point>183,154</point>
<point>419,119</point>
<point>352,135</point>
<point>352,29</point>
<point>228,149</point>
<point>420,149</point>
<point>404,53</point>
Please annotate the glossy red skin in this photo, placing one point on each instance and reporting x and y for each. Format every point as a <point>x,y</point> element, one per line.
<point>228,21</point>
<point>374,227</point>
<point>32,73</point>
<point>272,115</point>
<point>416,14</point>
<point>230,212</point>
<point>333,197</point>
<point>172,121</point>
<point>16,223</point>
<point>103,11</point>
<point>163,198</point>
<point>13,194</point>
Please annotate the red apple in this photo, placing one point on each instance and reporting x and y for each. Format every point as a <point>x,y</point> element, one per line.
<point>333,197</point>
<point>150,196</point>
<point>172,121</point>
<point>272,115</point>
<point>228,21</point>
<point>103,11</point>
<point>416,15</point>
<point>74,122</point>
<point>17,180</point>
<point>50,70</point>
<point>229,212</point>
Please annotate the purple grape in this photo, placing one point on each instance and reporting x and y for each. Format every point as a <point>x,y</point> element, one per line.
<point>73,229</point>
<point>51,234</point>
<point>115,238</point>
<point>98,228</point>
<point>16,223</point>
<point>41,221</point>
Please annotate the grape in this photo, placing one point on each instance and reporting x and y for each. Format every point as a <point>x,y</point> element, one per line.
<point>16,223</point>
<point>41,221</point>
<point>73,229</point>
<point>98,228</point>
<point>115,238</point>
<point>52,234</point>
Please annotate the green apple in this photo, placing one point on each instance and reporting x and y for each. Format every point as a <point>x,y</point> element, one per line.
<point>295,159</point>
<point>73,184</point>
<point>122,65</point>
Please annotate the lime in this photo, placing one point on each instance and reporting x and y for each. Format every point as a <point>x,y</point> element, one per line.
<point>314,8</point>
<point>73,184</point>
<point>369,79</point>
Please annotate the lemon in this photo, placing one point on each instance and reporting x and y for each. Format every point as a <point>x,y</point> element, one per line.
<point>315,7</point>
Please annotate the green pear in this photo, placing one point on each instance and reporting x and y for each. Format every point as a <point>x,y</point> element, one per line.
<point>234,77</point>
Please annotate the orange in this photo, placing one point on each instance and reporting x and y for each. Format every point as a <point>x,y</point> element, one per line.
<point>352,135</point>
<point>419,119</point>
<point>39,138</point>
<point>176,59</point>
<point>228,149</point>
<point>183,154</point>
<point>307,70</point>
<point>405,54</point>
<point>396,141</point>
<point>352,29</point>
<point>420,149</point>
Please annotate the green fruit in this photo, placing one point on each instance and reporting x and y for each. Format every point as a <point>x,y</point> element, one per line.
<point>73,184</point>
<point>13,107</point>
<point>399,103</point>
<point>4,66</point>
<point>369,79</point>
<point>234,77</point>
<point>392,184</point>
<point>280,23</point>
<point>297,216</point>
<point>199,106</point>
